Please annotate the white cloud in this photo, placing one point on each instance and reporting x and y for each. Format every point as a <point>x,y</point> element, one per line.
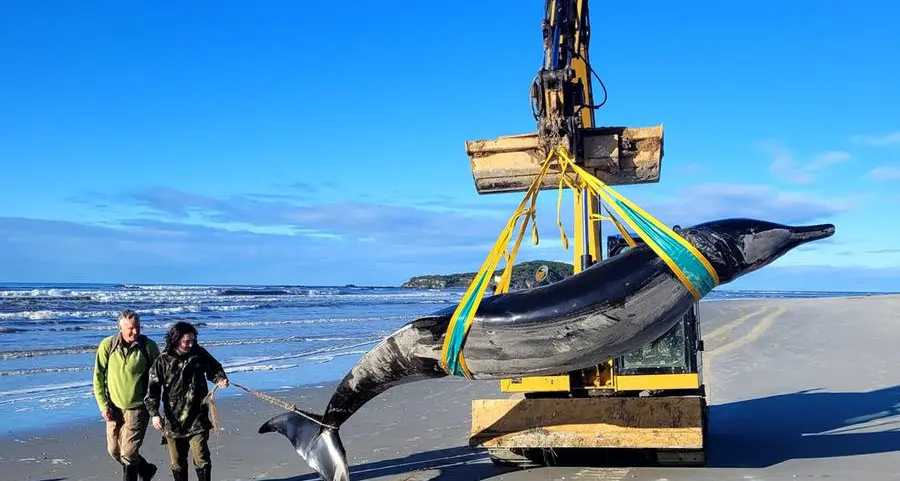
<point>885,172</point>
<point>828,159</point>
<point>786,166</point>
<point>198,237</point>
<point>878,140</point>
<point>143,250</point>
<point>715,201</point>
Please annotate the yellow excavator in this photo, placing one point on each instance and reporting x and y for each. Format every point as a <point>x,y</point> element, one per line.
<point>652,400</point>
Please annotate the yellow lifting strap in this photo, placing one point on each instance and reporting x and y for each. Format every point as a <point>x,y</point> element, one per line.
<point>452,360</point>
<point>688,264</point>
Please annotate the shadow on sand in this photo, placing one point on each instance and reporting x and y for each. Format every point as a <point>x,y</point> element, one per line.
<point>446,464</point>
<point>755,433</point>
<point>803,425</point>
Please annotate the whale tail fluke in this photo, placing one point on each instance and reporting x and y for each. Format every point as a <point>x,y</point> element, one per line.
<point>319,446</point>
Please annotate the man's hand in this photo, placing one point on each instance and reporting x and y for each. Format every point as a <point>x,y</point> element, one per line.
<point>157,423</point>
<point>107,415</point>
<point>223,383</point>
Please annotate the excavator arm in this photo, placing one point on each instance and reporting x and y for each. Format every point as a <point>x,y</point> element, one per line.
<point>561,92</point>
<point>563,105</point>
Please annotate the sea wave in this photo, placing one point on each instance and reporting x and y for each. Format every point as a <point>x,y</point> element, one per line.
<point>218,325</point>
<point>25,353</point>
<point>246,364</point>
<point>43,388</point>
<point>48,315</point>
<point>44,370</point>
<point>329,349</point>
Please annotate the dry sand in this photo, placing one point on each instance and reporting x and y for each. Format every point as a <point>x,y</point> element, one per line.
<point>799,389</point>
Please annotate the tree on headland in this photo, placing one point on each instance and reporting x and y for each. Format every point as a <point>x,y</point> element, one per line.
<point>524,275</point>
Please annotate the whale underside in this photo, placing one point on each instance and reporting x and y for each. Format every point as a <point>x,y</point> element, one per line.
<point>597,313</point>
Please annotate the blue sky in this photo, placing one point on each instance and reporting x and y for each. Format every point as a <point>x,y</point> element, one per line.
<point>289,142</point>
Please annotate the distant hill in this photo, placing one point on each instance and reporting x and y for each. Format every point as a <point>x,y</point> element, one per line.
<point>523,276</point>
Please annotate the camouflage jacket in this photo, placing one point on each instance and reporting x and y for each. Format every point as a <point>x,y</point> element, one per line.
<point>180,382</point>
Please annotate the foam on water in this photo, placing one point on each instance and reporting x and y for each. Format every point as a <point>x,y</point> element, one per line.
<point>267,337</point>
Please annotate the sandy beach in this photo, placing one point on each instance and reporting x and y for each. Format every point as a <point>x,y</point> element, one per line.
<point>799,389</point>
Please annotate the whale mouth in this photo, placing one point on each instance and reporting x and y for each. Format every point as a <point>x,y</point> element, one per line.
<point>811,233</point>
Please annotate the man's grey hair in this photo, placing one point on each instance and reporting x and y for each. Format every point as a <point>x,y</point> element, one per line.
<point>130,315</point>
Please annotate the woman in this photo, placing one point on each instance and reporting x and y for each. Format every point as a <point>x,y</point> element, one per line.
<point>179,377</point>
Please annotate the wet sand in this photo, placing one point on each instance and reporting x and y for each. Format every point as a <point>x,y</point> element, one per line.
<point>799,389</point>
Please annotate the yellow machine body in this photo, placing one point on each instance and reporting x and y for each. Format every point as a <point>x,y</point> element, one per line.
<point>632,402</point>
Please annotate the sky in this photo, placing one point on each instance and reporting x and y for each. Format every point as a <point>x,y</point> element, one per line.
<point>298,143</point>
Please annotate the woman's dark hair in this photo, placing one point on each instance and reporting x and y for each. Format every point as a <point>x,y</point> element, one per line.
<point>176,332</point>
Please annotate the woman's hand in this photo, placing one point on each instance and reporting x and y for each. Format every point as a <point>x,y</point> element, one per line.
<point>157,423</point>
<point>223,383</point>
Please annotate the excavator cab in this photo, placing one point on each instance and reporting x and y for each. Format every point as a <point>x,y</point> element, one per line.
<point>675,352</point>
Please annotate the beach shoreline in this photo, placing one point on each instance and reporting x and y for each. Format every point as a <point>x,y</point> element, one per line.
<point>77,404</point>
<point>225,398</point>
<point>779,372</point>
<point>77,451</point>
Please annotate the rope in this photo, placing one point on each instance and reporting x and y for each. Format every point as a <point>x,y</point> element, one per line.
<point>283,404</point>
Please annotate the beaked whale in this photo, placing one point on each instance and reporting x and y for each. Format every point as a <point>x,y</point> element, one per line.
<point>605,311</point>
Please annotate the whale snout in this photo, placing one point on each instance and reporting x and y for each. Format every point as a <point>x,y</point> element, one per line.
<point>810,233</point>
<point>739,246</point>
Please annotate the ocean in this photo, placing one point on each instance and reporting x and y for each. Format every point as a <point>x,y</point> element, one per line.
<point>268,337</point>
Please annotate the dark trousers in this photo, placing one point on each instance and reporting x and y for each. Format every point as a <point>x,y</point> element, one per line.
<point>197,445</point>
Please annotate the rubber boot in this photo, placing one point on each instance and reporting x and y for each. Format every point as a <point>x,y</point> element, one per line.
<point>180,475</point>
<point>204,473</point>
<point>129,472</point>
<point>145,470</point>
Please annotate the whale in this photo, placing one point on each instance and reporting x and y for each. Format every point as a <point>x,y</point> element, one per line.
<point>605,311</point>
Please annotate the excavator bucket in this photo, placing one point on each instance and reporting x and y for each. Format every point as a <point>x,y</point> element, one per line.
<point>615,155</point>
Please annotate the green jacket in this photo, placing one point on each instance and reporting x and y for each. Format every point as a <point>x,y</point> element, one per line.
<point>120,372</point>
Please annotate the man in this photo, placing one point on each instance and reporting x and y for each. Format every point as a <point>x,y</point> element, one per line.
<point>121,371</point>
<point>179,378</point>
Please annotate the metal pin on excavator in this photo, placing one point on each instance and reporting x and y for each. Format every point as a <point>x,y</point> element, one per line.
<point>651,400</point>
